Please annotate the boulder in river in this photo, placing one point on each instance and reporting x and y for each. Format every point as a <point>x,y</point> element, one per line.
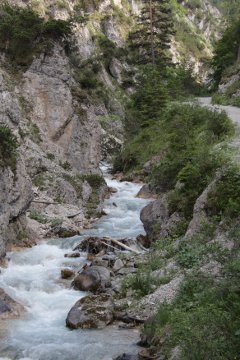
<point>91,312</point>
<point>9,308</point>
<point>127,357</point>
<point>92,278</point>
<point>67,273</point>
<point>72,255</point>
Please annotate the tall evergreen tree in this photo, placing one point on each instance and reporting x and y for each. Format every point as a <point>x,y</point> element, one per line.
<point>152,36</point>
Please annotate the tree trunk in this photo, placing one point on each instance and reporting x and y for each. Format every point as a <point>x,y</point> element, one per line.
<point>151,28</point>
<point>238,57</point>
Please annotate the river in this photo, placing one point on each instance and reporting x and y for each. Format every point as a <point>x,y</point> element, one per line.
<point>33,278</point>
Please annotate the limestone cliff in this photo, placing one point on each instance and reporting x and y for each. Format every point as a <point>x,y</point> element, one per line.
<point>66,108</point>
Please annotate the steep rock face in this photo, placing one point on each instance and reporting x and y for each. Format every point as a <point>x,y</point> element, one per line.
<point>66,127</point>
<point>59,143</point>
<point>198,26</point>
<point>15,197</point>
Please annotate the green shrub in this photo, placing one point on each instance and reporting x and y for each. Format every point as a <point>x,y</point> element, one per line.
<point>23,32</point>
<point>203,320</point>
<point>94,180</point>
<point>8,147</point>
<point>35,215</point>
<point>223,200</point>
<point>65,165</point>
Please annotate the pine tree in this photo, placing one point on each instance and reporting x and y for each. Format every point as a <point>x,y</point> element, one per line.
<point>152,36</point>
<point>148,101</point>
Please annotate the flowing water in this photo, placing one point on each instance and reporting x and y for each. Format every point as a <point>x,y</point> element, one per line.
<point>33,278</point>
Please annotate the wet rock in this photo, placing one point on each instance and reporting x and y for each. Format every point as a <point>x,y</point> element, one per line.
<point>144,241</point>
<point>9,308</point>
<point>127,357</point>
<point>146,192</point>
<point>112,190</point>
<point>118,265</point>
<point>67,273</point>
<point>154,214</point>
<point>98,261</point>
<point>91,312</point>
<point>72,255</point>
<point>4,307</point>
<point>92,278</point>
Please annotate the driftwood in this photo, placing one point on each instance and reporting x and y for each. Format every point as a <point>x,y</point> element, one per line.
<point>94,245</point>
<point>122,245</point>
<point>113,247</point>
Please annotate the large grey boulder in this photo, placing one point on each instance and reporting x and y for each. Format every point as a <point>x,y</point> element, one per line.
<point>91,312</point>
<point>9,308</point>
<point>154,214</point>
<point>92,278</point>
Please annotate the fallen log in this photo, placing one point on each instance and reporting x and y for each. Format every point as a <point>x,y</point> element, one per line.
<point>122,245</point>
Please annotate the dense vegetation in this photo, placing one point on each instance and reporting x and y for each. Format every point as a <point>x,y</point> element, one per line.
<point>226,52</point>
<point>152,35</point>
<point>23,32</point>
<point>231,9</point>
<point>8,147</point>
<point>204,318</point>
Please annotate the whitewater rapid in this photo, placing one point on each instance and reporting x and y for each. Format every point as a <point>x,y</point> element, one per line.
<point>33,278</point>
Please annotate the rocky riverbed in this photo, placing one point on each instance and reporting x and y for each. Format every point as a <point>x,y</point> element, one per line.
<point>50,281</point>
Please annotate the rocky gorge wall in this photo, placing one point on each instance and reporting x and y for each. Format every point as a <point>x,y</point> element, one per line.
<point>57,171</point>
<point>66,108</point>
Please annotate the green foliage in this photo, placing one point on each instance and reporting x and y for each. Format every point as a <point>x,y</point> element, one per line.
<point>145,281</point>
<point>141,283</point>
<point>39,181</point>
<point>94,180</point>
<point>87,5</point>
<point>23,32</point>
<point>190,134</point>
<point>223,199</point>
<point>109,49</point>
<point>185,139</point>
<point>226,52</point>
<point>76,182</point>
<point>203,320</point>
<point>231,9</point>
<point>181,82</point>
<point>42,219</point>
<point>50,156</point>
<point>8,147</point>
<point>152,37</point>
<point>34,133</point>
<point>225,100</point>
<point>65,165</point>
<point>35,215</point>
<point>147,102</point>
<point>230,95</point>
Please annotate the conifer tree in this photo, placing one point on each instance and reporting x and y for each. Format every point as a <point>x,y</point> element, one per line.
<point>152,36</point>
